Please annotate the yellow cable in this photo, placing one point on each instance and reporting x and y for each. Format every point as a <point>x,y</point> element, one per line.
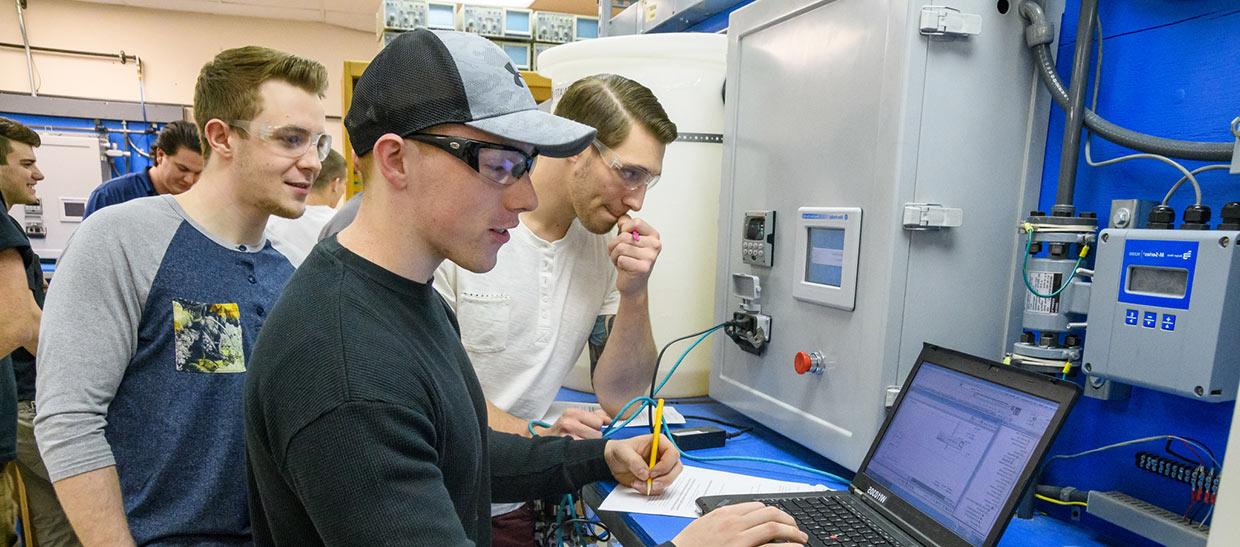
<point>1057,502</point>
<point>1084,250</point>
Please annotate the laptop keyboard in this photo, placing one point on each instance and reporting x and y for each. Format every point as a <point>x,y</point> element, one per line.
<point>832,520</point>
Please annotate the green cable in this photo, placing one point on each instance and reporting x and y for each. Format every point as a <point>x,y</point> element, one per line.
<point>1024,270</point>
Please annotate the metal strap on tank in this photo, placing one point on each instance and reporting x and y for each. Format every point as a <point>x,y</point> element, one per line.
<point>716,138</point>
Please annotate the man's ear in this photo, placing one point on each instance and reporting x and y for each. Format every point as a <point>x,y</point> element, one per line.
<point>218,137</point>
<point>158,157</point>
<point>389,158</point>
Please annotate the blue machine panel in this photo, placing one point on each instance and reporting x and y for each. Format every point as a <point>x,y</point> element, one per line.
<point>1158,273</point>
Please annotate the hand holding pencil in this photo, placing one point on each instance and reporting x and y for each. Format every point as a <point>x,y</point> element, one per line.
<point>636,460</point>
<point>654,442</point>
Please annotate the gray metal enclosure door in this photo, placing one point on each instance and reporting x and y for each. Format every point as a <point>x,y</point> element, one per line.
<point>973,141</point>
<point>844,104</point>
<point>809,89</point>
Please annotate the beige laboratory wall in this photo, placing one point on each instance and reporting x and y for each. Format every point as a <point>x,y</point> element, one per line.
<point>173,46</point>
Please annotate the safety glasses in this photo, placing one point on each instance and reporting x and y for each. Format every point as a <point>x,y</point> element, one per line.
<point>289,141</point>
<point>498,163</point>
<point>631,176</point>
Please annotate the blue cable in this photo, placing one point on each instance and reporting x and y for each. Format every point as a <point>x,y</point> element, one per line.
<point>538,423</point>
<point>797,466</point>
<point>650,402</point>
<point>683,354</point>
<point>647,401</point>
<point>612,427</point>
<point>559,528</point>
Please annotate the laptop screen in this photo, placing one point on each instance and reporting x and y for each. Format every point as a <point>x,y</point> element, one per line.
<point>956,447</point>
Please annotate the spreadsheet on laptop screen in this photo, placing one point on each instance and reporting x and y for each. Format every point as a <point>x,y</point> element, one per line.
<point>956,448</point>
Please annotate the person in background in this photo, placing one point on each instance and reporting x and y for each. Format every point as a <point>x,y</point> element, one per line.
<point>177,164</point>
<point>21,298</point>
<point>296,236</point>
<point>366,424</point>
<point>21,290</point>
<point>566,279</point>
<point>343,217</point>
<point>146,340</point>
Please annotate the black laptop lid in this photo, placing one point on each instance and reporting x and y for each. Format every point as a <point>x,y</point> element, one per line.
<point>962,442</point>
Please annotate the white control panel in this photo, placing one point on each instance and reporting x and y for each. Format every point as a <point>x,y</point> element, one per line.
<point>484,20</point>
<point>827,245</point>
<point>556,28</point>
<point>758,238</point>
<point>402,15</point>
<point>396,16</point>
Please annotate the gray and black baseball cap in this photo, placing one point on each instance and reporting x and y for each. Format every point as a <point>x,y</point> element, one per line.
<point>426,77</point>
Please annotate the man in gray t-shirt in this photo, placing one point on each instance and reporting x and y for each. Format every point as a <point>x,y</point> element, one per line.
<point>146,339</point>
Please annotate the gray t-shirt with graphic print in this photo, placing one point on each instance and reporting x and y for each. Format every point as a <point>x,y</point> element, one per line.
<point>146,330</point>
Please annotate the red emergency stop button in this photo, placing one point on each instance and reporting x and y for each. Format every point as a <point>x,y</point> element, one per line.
<point>802,363</point>
<point>808,362</point>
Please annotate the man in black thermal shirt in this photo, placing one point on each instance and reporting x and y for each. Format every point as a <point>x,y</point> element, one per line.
<point>365,422</point>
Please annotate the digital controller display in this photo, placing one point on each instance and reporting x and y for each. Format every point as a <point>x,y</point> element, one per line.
<point>1171,282</point>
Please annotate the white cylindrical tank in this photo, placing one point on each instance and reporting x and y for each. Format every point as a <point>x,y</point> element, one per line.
<point>686,72</point>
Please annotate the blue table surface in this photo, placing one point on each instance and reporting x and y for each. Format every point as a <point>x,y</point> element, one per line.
<point>762,442</point>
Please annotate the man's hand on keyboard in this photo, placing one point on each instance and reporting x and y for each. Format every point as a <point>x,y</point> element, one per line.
<point>742,525</point>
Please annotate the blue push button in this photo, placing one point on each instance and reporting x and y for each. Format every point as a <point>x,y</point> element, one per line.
<point>1130,317</point>
<point>1150,320</point>
<point>1168,322</point>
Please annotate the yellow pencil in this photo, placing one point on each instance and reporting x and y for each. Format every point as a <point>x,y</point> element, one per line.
<point>654,443</point>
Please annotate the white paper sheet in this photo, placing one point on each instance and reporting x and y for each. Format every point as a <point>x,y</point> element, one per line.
<point>694,482</point>
<point>670,414</point>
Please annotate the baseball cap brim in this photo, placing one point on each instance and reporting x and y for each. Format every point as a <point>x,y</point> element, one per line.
<point>551,135</point>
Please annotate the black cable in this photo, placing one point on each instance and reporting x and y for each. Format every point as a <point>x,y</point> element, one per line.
<point>1203,445</point>
<point>1185,459</point>
<point>599,523</point>
<point>740,430</point>
<point>654,377</point>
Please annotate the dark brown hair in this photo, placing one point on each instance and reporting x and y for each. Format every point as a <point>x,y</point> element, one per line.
<point>14,131</point>
<point>177,135</point>
<point>612,104</point>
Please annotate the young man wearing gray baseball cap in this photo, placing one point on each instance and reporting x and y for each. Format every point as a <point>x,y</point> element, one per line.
<point>365,421</point>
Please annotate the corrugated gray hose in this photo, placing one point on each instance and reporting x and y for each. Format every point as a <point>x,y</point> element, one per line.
<point>1040,33</point>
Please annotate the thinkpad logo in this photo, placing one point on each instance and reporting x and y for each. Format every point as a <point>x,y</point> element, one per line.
<point>882,498</point>
<point>516,77</point>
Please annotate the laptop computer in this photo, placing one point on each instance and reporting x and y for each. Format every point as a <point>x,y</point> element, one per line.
<point>949,464</point>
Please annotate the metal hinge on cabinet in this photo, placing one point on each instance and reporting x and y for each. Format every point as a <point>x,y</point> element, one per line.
<point>945,21</point>
<point>931,216</point>
<point>890,395</point>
